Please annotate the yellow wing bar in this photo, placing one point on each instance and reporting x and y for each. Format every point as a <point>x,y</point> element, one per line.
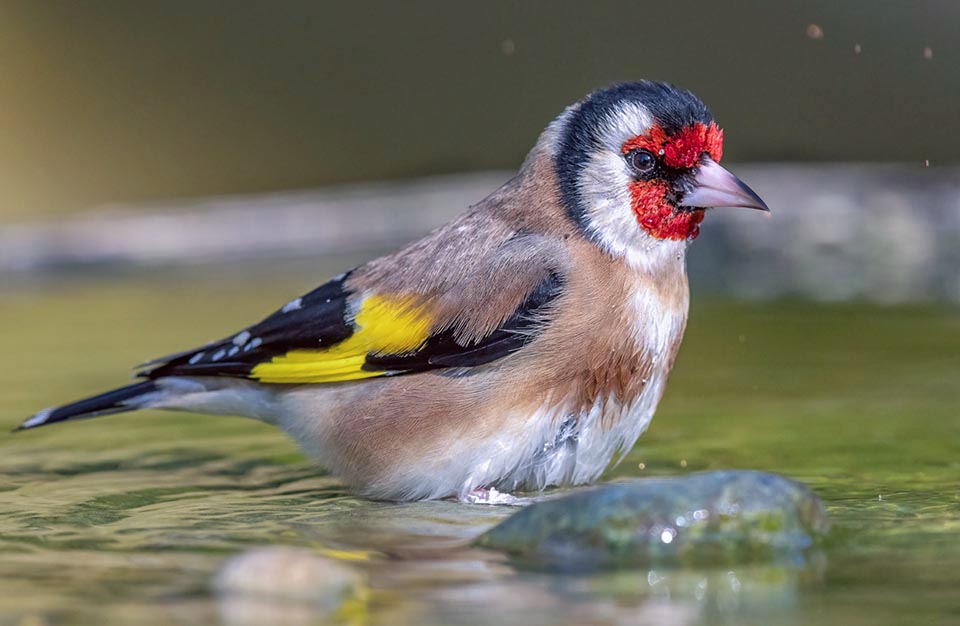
<point>384,326</point>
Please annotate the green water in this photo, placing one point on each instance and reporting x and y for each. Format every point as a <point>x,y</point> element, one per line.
<point>126,518</point>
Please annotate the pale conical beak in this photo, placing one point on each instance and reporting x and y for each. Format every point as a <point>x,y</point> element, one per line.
<point>714,186</point>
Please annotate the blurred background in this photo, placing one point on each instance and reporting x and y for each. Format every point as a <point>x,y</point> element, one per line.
<point>182,132</point>
<point>172,171</point>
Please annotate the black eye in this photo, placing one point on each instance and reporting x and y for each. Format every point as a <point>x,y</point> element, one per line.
<point>642,161</point>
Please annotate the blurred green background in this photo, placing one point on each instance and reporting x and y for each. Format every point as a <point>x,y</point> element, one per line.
<point>173,171</point>
<point>113,101</point>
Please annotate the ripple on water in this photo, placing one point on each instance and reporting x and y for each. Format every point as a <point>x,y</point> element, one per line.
<point>127,519</point>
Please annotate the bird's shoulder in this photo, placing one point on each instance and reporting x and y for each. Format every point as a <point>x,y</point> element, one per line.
<point>472,273</point>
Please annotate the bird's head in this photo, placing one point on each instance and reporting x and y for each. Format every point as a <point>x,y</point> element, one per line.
<point>638,163</point>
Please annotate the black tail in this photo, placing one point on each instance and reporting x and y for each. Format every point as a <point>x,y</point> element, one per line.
<point>116,401</point>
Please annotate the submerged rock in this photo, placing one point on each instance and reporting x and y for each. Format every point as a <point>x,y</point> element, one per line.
<point>287,585</point>
<point>709,518</point>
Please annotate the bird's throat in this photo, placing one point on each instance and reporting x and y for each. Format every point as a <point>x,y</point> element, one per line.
<point>658,216</point>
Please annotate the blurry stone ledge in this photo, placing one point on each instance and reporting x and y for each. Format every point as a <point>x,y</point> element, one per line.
<point>887,233</point>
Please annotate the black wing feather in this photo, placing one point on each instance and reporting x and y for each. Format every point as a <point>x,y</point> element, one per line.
<point>319,321</point>
<point>322,320</point>
<point>443,350</point>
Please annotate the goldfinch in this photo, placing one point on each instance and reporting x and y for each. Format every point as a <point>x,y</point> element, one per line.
<point>524,344</point>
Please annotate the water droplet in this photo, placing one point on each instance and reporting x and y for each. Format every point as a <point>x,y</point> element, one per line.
<point>814,31</point>
<point>667,535</point>
<point>735,584</point>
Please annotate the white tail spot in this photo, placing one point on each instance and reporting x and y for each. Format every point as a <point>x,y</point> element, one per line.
<point>38,419</point>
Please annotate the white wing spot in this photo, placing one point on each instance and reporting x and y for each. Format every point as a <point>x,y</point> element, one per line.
<point>219,355</point>
<point>242,338</point>
<point>233,350</point>
<point>293,305</point>
<point>196,358</point>
<point>254,343</point>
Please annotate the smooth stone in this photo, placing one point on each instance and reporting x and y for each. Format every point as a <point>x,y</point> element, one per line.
<point>711,518</point>
<point>286,585</point>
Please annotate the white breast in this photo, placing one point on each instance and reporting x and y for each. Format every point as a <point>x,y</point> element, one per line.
<point>578,450</point>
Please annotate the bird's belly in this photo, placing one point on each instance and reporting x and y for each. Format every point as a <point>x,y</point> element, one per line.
<point>555,444</point>
<point>510,448</point>
<point>579,446</point>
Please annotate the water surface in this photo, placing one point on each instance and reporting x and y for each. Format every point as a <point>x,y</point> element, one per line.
<point>126,518</point>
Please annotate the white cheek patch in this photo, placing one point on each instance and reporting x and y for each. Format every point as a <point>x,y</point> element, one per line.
<point>605,193</point>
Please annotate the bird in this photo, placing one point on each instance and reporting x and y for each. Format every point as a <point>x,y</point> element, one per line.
<point>523,345</point>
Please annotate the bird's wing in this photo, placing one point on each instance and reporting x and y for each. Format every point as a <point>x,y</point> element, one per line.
<point>350,328</point>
